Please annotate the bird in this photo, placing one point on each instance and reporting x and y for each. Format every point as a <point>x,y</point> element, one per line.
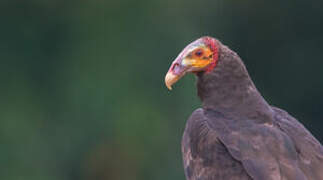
<point>236,134</point>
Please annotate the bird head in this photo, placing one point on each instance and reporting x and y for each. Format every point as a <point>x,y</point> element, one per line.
<point>199,56</point>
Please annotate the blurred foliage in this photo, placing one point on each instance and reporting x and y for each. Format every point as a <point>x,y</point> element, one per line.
<point>82,92</point>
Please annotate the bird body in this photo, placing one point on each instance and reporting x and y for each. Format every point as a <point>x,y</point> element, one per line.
<point>237,134</point>
<point>218,146</point>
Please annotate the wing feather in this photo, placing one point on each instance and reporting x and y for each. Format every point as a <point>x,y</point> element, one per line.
<point>309,150</point>
<point>216,146</point>
<point>204,155</point>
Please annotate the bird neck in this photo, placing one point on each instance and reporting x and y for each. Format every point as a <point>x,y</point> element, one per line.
<point>229,88</point>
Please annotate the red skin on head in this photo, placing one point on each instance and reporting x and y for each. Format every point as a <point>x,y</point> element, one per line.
<point>213,46</point>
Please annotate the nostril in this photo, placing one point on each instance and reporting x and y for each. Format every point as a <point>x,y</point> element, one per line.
<point>174,66</point>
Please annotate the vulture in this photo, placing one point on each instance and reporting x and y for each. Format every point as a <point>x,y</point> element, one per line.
<point>236,134</point>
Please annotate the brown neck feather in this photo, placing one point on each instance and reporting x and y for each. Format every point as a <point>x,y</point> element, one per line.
<point>229,88</point>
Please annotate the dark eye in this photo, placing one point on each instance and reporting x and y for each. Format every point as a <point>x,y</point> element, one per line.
<point>199,53</point>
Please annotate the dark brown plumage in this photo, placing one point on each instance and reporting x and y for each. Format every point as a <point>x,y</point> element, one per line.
<point>238,136</point>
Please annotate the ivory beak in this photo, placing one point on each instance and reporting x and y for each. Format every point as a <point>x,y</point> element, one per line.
<point>171,79</point>
<point>176,71</point>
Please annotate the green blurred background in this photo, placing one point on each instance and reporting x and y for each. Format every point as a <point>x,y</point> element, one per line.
<point>82,91</point>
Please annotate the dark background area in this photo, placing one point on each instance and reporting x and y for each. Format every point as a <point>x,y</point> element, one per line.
<point>82,92</point>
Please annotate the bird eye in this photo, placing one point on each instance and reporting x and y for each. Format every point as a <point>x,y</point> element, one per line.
<point>198,53</point>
